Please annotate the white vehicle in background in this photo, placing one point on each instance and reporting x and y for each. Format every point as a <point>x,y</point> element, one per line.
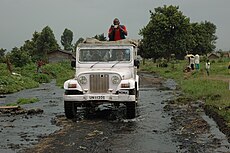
<point>106,72</point>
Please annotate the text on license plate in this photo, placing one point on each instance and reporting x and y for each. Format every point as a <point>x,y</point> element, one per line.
<point>96,97</point>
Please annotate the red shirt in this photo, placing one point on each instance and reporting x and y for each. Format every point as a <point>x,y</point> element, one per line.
<point>117,35</point>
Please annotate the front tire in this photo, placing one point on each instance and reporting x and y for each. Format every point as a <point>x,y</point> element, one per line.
<point>131,110</point>
<point>70,109</point>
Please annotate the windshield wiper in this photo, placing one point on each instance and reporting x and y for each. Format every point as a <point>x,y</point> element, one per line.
<point>94,64</point>
<point>115,64</point>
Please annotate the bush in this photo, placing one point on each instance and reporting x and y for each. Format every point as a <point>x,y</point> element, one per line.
<point>19,58</point>
<point>11,84</point>
<point>29,78</point>
<point>41,78</point>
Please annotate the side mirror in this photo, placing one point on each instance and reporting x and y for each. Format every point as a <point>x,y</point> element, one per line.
<point>137,63</point>
<point>73,63</point>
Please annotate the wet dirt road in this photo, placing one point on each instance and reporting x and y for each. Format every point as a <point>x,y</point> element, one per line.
<point>161,126</point>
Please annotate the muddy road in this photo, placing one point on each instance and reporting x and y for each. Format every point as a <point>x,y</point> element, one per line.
<point>160,126</point>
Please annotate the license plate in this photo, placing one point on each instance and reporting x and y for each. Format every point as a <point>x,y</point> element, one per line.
<point>96,97</point>
<point>125,92</point>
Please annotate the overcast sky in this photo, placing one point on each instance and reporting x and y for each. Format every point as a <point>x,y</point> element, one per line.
<point>19,19</point>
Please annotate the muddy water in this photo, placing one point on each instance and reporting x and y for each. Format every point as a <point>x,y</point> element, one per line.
<point>22,131</point>
<point>150,130</point>
<point>153,130</point>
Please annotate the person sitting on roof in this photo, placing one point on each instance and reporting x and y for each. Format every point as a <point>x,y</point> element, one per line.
<point>117,31</point>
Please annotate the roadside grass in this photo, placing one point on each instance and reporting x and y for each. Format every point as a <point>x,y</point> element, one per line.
<point>13,83</point>
<point>27,77</point>
<point>60,71</point>
<point>214,89</point>
<point>23,101</point>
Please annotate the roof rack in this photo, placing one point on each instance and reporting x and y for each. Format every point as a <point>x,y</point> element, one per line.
<point>118,42</point>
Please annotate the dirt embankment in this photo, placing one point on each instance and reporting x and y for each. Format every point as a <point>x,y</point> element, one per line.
<point>221,122</point>
<point>190,127</point>
<point>192,105</point>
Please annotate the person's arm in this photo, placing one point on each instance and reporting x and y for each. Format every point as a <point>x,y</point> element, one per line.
<point>123,28</point>
<point>111,30</point>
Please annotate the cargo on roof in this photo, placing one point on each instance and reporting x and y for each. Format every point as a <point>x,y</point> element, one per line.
<point>96,42</point>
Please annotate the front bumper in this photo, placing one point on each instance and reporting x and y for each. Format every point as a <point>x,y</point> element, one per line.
<point>100,97</point>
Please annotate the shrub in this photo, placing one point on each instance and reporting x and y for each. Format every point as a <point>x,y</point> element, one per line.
<point>41,78</point>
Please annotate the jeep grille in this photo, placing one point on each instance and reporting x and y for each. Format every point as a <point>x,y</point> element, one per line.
<point>99,83</point>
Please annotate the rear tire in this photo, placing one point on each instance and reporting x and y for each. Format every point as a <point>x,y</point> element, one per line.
<point>130,110</point>
<point>70,109</point>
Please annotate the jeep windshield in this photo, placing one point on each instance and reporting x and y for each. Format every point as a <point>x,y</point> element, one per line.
<point>104,55</point>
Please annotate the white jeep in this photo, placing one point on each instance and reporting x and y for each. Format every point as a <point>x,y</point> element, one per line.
<point>106,72</point>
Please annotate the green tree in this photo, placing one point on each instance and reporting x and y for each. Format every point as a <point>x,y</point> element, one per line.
<point>204,38</point>
<point>143,52</point>
<point>2,55</point>
<point>167,32</point>
<point>46,42</point>
<point>30,46</point>
<point>19,57</point>
<point>66,39</point>
<point>100,37</point>
<point>80,40</point>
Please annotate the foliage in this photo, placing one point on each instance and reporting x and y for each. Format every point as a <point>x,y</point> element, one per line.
<point>18,57</point>
<point>60,71</point>
<point>80,40</point>
<point>28,77</point>
<point>4,71</point>
<point>41,78</point>
<point>66,39</point>
<point>11,83</point>
<point>170,32</point>
<point>30,46</point>
<point>37,48</point>
<point>166,32</point>
<point>46,42</point>
<point>100,37</point>
<point>2,54</point>
<point>203,37</point>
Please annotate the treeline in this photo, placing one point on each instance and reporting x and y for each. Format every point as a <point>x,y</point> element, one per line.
<point>169,32</point>
<point>39,46</point>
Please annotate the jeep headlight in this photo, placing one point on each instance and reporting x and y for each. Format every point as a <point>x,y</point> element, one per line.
<point>82,80</point>
<point>115,80</point>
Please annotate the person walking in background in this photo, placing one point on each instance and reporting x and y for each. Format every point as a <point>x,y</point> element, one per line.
<point>192,64</point>
<point>117,31</point>
<point>39,65</point>
<point>197,61</point>
<point>207,67</point>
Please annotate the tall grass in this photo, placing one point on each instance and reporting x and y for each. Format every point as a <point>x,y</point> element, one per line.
<point>29,78</point>
<point>13,83</point>
<point>60,71</point>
